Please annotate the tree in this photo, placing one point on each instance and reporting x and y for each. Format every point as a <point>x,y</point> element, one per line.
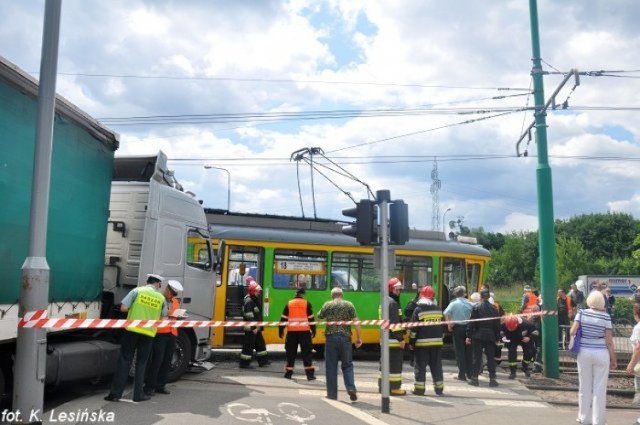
<point>516,261</point>
<point>572,260</point>
<point>608,235</point>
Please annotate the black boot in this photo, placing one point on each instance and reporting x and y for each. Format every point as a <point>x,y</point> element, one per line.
<point>512,372</point>
<point>525,369</point>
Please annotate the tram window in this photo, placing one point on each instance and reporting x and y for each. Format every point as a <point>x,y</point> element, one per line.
<point>299,269</point>
<point>414,269</point>
<point>243,262</point>
<point>354,271</point>
<point>454,274</point>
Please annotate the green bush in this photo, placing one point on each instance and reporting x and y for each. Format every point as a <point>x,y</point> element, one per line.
<point>623,309</point>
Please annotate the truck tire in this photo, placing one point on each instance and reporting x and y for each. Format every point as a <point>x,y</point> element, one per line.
<point>181,357</point>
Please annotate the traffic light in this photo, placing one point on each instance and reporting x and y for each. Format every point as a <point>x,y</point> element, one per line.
<point>398,223</point>
<point>365,229</point>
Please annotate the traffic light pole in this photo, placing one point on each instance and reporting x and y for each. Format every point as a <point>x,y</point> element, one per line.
<point>383,200</point>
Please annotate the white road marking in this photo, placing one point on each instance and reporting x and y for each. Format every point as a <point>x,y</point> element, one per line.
<point>356,413</point>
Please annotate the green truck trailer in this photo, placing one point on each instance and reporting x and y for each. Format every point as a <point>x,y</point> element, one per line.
<point>110,222</point>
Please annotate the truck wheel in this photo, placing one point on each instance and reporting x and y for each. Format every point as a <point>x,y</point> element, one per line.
<point>181,357</point>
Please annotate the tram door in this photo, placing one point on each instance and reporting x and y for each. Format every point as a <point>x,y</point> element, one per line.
<point>241,262</point>
<point>454,274</point>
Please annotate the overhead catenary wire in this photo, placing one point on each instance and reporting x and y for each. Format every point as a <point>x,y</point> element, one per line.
<point>281,81</point>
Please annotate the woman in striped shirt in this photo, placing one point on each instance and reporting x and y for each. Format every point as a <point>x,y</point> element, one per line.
<point>596,357</point>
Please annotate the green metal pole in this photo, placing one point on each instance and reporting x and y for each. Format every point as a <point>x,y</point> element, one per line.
<point>546,241</point>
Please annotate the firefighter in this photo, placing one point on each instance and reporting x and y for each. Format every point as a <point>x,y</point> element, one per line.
<point>531,304</point>
<point>298,310</point>
<point>396,339</point>
<point>253,338</point>
<point>521,332</point>
<point>426,342</point>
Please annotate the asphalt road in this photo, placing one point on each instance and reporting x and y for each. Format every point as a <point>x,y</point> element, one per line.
<point>228,395</point>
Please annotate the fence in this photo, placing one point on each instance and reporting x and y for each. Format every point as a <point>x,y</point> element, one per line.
<point>621,333</point>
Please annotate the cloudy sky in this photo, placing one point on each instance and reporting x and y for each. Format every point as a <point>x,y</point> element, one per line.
<point>381,87</point>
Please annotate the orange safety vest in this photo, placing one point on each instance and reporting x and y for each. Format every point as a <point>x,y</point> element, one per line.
<point>298,313</point>
<point>532,305</point>
<point>175,304</point>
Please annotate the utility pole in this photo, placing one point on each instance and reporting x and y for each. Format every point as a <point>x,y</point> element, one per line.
<point>31,344</point>
<point>548,274</point>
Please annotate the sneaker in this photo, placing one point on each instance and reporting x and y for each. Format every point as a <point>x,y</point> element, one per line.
<point>111,398</point>
<point>474,382</point>
<point>493,383</point>
<point>398,392</point>
<point>142,398</point>
<point>353,396</point>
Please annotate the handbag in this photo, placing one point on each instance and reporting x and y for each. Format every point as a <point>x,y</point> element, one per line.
<point>574,345</point>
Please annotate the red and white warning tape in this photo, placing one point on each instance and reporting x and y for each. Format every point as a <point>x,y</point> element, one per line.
<point>39,320</point>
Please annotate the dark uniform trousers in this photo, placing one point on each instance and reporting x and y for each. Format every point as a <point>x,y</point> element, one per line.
<point>302,338</point>
<point>140,345</point>
<point>432,357</point>
<point>164,345</point>
<point>250,342</point>
<point>396,358</point>
<point>464,359</point>
<point>489,348</point>
<point>528,351</point>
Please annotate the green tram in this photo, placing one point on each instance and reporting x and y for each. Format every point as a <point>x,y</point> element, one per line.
<point>284,253</point>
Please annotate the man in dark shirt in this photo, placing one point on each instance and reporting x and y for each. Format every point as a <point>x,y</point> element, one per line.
<point>482,335</point>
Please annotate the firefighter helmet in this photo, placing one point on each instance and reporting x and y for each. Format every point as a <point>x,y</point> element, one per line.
<point>394,283</point>
<point>511,323</point>
<point>254,288</point>
<point>427,292</point>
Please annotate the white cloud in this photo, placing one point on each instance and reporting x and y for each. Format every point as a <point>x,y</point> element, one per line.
<point>516,222</point>
<point>269,56</point>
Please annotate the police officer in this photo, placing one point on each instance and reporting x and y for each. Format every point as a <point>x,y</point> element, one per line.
<point>253,338</point>
<point>482,335</point>
<point>298,310</point>
<point>427,342</point>
<point>396,339</point>
<point>164,345</point>
<point>521,332</point>
<point>142,303</point>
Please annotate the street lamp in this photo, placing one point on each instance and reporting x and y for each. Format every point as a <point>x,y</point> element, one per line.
<point>444,222</point>
<point>209,167</point>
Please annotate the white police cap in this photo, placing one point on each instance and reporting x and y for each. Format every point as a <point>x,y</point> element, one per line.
<point>175,285</point>
<point>155,276</point>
